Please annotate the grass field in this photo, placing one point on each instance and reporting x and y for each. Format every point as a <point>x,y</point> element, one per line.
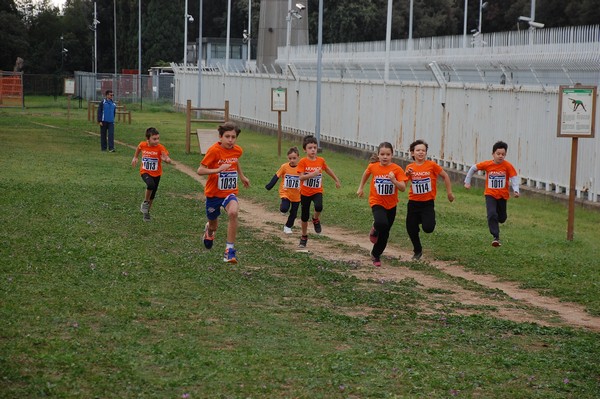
<point>95,303</point>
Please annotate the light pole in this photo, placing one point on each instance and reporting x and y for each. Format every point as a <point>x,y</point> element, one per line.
<point>140,51</point>
<point>249,32</point>
<point>94,28</point>
<point>465,25</point>
<point>187,18</point>
<point>116,86</point>
<point>228,34</point>
<point>319,74</point>
<point>292,13</point>
<point>388,40</point>
<point>200,56</point>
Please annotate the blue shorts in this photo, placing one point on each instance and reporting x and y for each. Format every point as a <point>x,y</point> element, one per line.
<point>214,204</point>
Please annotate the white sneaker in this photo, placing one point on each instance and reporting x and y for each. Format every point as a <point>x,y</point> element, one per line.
<point>287,230</point>
<point>145,207</point>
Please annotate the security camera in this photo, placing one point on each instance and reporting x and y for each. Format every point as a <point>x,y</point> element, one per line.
<point>297,16</point>
<point>300,6</point>
<point>537,25</point>
<point>65,50</point>
<point>524,19</point>
<point>190,18</point>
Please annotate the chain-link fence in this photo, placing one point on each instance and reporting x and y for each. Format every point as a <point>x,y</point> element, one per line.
<point>91,87</point>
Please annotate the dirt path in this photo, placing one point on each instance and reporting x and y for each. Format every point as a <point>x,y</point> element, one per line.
<point>501,299</point>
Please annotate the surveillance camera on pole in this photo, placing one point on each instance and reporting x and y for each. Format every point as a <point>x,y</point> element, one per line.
<point>300,6</point>
<point>190,18</point>
<point>536,25</point>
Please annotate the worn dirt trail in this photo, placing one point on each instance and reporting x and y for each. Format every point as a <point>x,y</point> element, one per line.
<point>509,301</point>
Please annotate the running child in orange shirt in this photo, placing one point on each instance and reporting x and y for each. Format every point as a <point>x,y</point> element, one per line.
<point>153,154</point>
<point>388,179</point>
<point>289,188</point>
<point>310,169</point>
<point>498,173</point>
<point>221,164</point>
<point>423,174</point>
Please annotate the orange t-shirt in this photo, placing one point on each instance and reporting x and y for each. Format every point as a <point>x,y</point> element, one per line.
<point>497,177</point>
<point>423,185</point>
<point>314,185</point>
<point>383,192</point>
<point>290,182</point>
<point>225,182</point>
<point>151,158</point>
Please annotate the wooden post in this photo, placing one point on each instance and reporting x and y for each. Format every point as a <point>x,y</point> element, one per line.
<point>572,189</point>
<point>188,126</point>
<point>278,133</point>
<point>226,116</point>
<point>89,105</point>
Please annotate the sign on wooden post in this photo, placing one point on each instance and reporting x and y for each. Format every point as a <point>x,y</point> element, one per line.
<point>279,104</point>
<point>576,118</point>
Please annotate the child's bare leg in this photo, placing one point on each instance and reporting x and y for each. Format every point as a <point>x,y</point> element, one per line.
<point>232,212</point>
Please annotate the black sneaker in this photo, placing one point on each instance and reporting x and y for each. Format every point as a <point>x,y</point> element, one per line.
<point>303,241</point>
<point>417,256</point>
<point>317,225</point>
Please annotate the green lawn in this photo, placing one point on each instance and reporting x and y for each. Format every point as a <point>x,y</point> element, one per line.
<point>95,303</point>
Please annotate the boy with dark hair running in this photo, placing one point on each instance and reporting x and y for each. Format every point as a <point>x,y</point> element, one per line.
<point>153,154</point>
<point>221,164</point>
<point>420,210</point>
<point>498,174</point>
<point>310,169</point>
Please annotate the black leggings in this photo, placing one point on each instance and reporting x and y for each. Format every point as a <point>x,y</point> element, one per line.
<point>287,205</point>
<point>151,183</point>
<point>305,201</point>
<point>419,213</point>
<point>383,219</point>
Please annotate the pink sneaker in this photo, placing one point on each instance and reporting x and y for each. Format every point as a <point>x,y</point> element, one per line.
<point>373,235</point>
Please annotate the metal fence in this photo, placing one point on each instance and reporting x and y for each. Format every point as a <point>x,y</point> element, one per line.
<point>460,117</point>
<point>128,88</point>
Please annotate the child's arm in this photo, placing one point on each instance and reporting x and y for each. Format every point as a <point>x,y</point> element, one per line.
<point>515,181</point>
<point>470,174</point>
<point>361,186</point>
<point>272,183</point>
<point>166,158</point>
<point>205,170</point>
<point>306,175</point>
<point>448,184</point>
<point>134,161</point>
<point>400,184</point>
<point>329,171</point>
<point>243,178</point>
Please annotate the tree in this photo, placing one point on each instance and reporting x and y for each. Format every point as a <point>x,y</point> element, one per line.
<point>15,42</point>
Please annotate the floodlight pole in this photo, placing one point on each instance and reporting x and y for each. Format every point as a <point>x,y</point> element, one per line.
<point>249,32</point>
<point>388,39</point>
<point>288,36</point>
<point>319,74</point>
<point>465,25</point>
<point>228,50</point>
<point>185,33</point>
